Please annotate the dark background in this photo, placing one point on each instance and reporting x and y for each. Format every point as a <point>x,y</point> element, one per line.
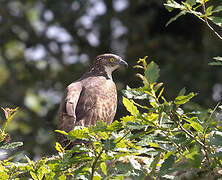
<point>47,44</point>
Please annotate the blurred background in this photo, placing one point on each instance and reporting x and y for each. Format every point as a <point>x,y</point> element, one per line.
<point>47,44</point>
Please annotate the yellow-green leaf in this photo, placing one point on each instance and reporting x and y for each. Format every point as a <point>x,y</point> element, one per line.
<point>61,132</point>
<point>62,177</point>
<point>34,175</point>
<point>59,148</point>
<point>195,125</point>
<point>153,144</point>
<point>183,99</point>
<point>29,161</point>
<point>103,168</point>
<point>130,106</point>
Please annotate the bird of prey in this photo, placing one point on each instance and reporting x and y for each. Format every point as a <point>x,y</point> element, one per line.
<point>92,98</point>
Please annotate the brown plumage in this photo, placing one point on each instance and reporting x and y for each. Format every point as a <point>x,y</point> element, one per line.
<point>91,98</point>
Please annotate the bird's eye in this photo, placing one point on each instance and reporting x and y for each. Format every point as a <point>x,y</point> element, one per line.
<point>111,60</point>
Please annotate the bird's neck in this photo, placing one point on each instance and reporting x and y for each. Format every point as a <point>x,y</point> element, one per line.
<point>99,71</point>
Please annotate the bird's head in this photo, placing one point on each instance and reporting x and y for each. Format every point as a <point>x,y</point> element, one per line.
<point>110,62</point>
<point>105,64</point>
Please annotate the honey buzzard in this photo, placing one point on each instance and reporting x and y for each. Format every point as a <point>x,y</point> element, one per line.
<point>91,98</point>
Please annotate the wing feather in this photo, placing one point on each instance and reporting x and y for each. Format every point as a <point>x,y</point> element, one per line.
<point>67,116</point>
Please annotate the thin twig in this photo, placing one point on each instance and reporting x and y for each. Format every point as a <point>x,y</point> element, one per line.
<point>94,164</point>
<point>206,21</point>
<point>184,130</point>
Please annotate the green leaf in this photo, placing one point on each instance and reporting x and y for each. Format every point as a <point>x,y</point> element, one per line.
<point>114,126</point>
<point>100,126</point>
<point>130,106</point>
<point>191,2</point>
<point>153,144</point>
<point>134,125</point>
<point>80,133</point>
<point>197,126</point>
<point>182,92</point>
<point>42,171</point>
<point>109,144</point>
<point>217,9</point>
<point>134,163</point>
<point>216,20</point>
<point>183,99</point>
<point>61,132</point>
<point>209,11</point>
<point>127,119</point>
<point>103,168</point>
<point>62,177</point>
<point>179,138</point>
<point>97,177</point>
<point>215,63</point>
<point>216,139</point>
<point>152,117</point>
<point>31,163</point>
<point>135,93</point>
<point>4,175</point>
<point>157,86</point>
<point>12,145</point>
<point>175,17</point>
<point>34,175</point>
<point>171,4</point>
<point>155,162</point>
<point>190,154</point>
<point>194,156</point>
<point>218,58</point>
<point>59,148</point>
<point>161,92</point>
<point>152,72</point>
<point>81,168</point>
<point>167,164</point>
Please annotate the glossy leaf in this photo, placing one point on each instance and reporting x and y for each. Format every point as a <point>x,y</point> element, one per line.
<point>135,163</point>
<point>191,2</point>
<point>167,164</point>
<point>216,139</point>
<point>12,145</point>
<point>218,58</point>
<point>171,4</point>
<point>215,63</point>
<point>216,20</point>
<point>59,148</point>
<point>217,9</point>
<point>130,106</point>
<point>183,99</point>
<point>195,124</point>
<point>152,72</point>
<point>103,168</point>
<point>182,92</point>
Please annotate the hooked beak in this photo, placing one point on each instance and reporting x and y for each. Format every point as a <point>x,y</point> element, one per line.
<point>123,63</point>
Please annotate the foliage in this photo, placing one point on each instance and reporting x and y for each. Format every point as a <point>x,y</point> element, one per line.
<point>218,61</point>
<point>200,9</point>
<point>45,45</point>
<point>5,137</point>
<point>159,139</point>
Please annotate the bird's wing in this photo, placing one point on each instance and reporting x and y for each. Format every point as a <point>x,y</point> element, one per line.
<point>73,94</point>
<point>67,116</point>
<point>97,102</point>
